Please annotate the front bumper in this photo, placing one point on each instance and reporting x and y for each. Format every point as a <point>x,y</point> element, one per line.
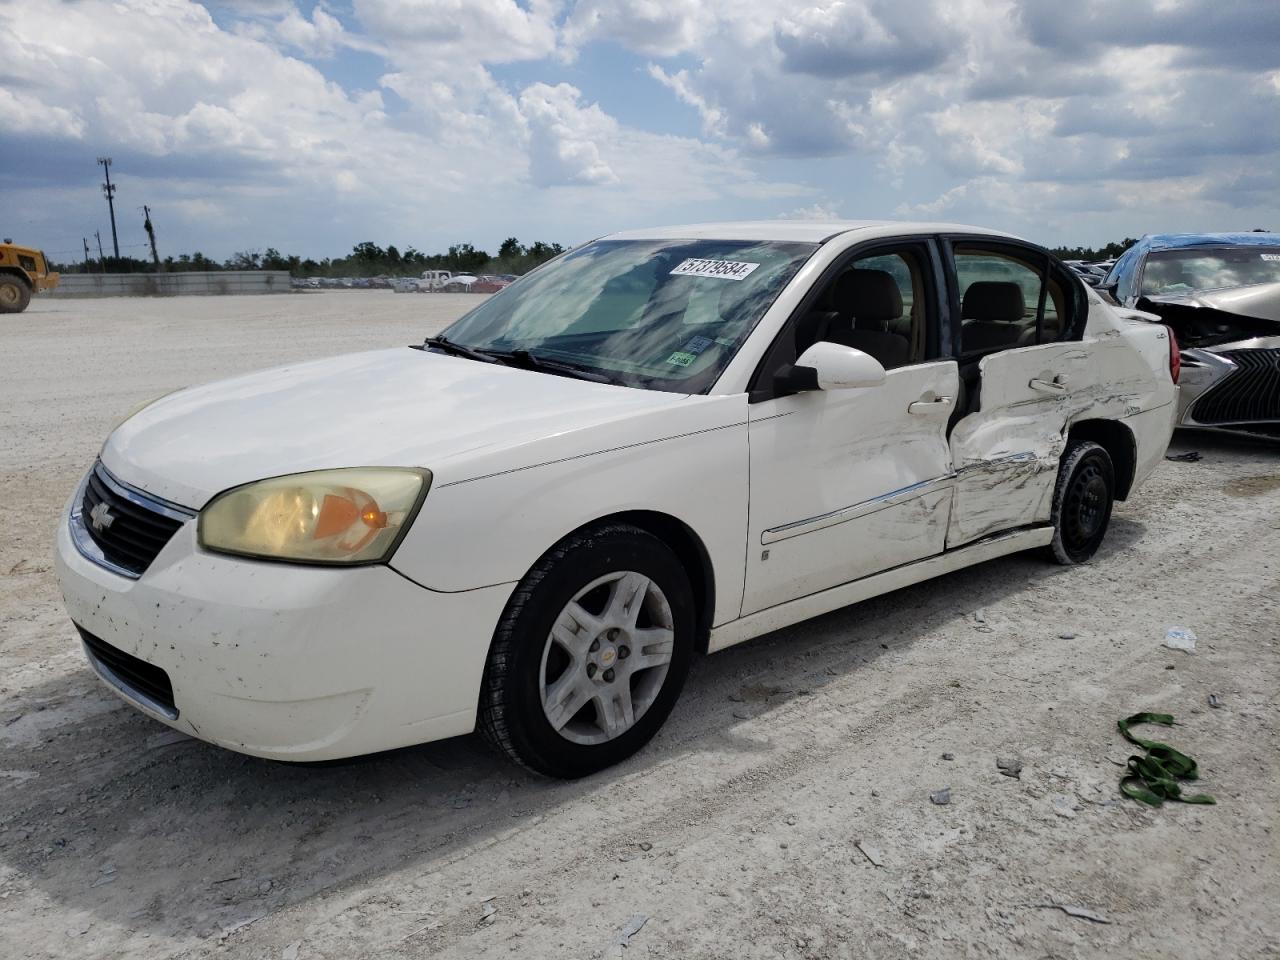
<point>285,661</point>
<point>1232,387</point>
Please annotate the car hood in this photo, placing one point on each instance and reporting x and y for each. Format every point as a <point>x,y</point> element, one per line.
<point>1261,300</point>
<point>1204,318</point>
<point>459,418</point>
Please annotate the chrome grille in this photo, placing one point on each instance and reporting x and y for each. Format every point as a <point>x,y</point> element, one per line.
<point>121,528</point>
<point>1250,394</point>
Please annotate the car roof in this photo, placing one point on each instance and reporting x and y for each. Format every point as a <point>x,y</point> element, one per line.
<point>804,231</point>
<point>1177,241</point>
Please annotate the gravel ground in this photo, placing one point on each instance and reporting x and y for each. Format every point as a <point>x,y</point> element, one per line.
<point>784,811</point>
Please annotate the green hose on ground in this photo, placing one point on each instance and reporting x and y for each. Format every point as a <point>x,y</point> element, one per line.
<point>1153,779</point>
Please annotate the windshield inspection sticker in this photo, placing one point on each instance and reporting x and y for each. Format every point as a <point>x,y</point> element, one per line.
<point>716,269</point>
<point>698,344</point>
<point>681,359</point>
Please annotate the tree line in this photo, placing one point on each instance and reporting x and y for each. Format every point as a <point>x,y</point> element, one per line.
<point>366,259</point>
<point>1109,252</point>
<point>1090,254</point>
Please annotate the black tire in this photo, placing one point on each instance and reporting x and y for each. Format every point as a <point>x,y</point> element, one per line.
<point>14,294</point>
<point>511,715</point>
<point>1082,501</point>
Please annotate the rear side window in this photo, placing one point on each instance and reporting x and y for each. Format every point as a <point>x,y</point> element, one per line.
<point>1010,298</point>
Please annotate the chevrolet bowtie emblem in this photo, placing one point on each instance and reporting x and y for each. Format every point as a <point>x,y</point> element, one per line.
<point>101,518</point>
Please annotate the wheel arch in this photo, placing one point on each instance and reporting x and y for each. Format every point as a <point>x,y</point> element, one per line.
<point>689,550</point>
<point>1118,440</point>
<point>20,274</point>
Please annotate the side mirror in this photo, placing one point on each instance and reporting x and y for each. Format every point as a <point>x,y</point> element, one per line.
<point>831,366</point>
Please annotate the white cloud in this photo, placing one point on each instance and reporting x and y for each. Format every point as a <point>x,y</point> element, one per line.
<point>814,211</point>
<point>16,116</point>
<point>881,37</point>
<point>1021,114</point>
<point>564,136</point>
<point>318,37</point>
<point>712,119</point>
<point>476,31</point>
<point>978,101</point>
<point>652,27</point>
<point>227,132</point>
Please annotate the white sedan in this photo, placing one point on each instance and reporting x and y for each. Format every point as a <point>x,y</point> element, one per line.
<point>660,444</point>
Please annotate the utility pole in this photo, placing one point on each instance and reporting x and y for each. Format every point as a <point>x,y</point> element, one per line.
<point>151,233</point>
<point>102,258</point>
<point>86,253</point>
<point>109,189</point>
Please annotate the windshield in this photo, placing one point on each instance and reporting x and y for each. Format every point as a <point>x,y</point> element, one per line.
<point>1181,271</point>
<point>660,314</point>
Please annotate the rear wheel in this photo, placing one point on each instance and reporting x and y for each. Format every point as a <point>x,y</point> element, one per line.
<point>591,653</point>
<point>1082,502</point>
<point>14,295</point>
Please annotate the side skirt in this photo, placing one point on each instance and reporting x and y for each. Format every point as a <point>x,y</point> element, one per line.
<point>804,608</point>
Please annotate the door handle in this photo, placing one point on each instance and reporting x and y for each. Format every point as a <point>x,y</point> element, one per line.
<point>1057,385</point>
<point>929,406</point>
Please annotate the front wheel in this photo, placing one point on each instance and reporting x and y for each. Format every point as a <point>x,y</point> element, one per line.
<point>14,295</point>
<point>590,654</point>
<point>1082,502</point>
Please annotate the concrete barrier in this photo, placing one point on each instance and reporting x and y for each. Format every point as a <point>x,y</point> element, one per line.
<point>170,284</point>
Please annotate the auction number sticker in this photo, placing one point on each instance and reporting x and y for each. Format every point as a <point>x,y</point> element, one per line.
<point>716,269</point>
<point>1272,257</point>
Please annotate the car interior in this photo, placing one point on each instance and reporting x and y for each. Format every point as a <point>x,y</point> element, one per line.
<point>879,304</point>
<point>865,307</point>
<point>1000,295</point>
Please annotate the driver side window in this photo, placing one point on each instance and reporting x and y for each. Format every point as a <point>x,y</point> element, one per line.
<point>879,304</point>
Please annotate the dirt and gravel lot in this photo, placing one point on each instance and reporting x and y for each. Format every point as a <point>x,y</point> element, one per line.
<point>737,832</point>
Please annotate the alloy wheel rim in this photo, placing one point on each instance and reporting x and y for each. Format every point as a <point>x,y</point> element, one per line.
<point>606,658</point>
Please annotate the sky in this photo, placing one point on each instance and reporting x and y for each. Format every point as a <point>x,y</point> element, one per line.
<point>310,127</point>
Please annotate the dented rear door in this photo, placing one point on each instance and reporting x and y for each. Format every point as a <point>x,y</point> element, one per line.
<point>1006,453</point>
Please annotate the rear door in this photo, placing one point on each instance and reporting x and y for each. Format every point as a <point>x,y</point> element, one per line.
<point>1025,367</point>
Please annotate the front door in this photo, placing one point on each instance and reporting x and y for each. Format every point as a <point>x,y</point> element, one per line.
<point>846,483</point>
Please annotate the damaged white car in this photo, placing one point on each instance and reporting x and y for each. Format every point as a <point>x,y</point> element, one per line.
<point>662,443</point>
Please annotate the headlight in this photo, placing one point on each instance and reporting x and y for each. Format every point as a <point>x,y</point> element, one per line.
<point>345,516</point>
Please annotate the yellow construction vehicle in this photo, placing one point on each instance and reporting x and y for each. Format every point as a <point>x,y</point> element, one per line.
<point>23,271</point>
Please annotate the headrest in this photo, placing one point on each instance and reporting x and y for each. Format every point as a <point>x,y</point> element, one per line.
<point>868,295</point>
<point>993,300</point>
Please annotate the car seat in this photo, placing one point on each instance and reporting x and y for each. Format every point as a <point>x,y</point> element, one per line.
<point>993,312</point>
<point>866,302</point>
